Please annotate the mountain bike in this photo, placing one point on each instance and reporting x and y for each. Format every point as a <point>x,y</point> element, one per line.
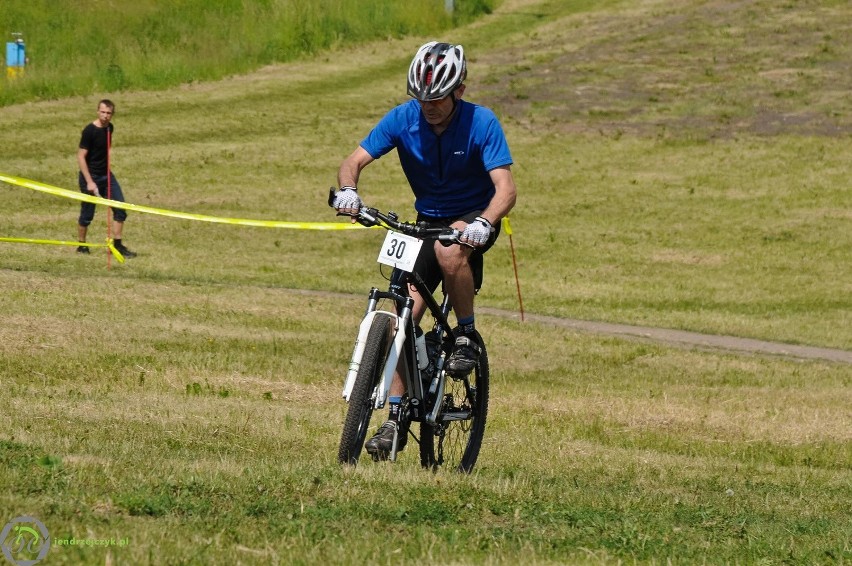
<point>451,410</point>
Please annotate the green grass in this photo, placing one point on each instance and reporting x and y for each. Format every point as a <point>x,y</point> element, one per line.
<point>189,400</point>
<point>78,48</point>
<point>211,428</point>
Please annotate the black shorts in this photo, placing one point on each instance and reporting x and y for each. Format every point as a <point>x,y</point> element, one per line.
<point>427,263</point>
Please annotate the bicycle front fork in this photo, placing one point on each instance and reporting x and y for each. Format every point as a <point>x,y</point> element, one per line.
<point>402,322</point>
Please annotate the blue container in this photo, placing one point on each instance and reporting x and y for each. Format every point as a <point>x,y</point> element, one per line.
<point>15,54</point>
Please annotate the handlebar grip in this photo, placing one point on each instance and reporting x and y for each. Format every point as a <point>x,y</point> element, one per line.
<point>449,238</point>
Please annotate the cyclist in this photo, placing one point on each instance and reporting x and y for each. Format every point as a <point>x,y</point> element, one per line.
<point>456,159</point>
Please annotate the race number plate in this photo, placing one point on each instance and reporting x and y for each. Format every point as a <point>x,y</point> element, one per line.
<point>400,251</point>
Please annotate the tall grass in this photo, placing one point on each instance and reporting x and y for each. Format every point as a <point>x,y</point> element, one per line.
<point>83,47</point>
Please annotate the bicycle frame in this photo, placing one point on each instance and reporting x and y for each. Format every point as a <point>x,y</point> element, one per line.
<point>452,410</point>
<point>403,345</point>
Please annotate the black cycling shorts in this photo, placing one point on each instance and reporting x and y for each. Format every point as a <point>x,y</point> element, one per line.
<point>427,263</point>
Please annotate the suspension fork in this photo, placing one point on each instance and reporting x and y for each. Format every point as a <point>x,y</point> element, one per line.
<point>399,295</point>
<point>402,320</point>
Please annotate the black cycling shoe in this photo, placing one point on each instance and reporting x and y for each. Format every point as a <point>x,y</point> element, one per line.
<point>83,250</point>
<point>464,358</point>
<point>380,446</point>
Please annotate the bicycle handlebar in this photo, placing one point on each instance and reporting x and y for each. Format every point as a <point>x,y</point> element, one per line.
<point>369,217</point>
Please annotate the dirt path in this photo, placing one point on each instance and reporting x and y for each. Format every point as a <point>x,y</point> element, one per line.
<point>684,338</point>
<point>666,336</point>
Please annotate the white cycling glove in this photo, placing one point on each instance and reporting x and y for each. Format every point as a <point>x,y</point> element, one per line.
<point>347,199</point>
<point>477,232</point>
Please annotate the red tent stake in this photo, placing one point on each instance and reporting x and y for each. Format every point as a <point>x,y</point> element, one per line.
<point>109,197</point>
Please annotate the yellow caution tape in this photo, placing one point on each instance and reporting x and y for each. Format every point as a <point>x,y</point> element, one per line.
<point>77,195</point>
<point>108,245</point>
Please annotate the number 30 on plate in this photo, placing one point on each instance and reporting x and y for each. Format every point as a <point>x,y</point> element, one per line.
<point>400,251</point>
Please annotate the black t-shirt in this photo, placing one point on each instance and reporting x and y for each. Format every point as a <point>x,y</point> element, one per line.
<point>94,139</point>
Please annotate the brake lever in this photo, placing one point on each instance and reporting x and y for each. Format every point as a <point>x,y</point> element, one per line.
<point>450,239</point>
<point>367,222</point>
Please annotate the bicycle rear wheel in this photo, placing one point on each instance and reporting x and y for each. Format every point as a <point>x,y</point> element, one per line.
<point>455,440</point>
<point>361,399</point>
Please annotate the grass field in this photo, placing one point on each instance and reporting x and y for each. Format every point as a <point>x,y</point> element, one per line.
<point>75,48</point>
<point>681,164</point>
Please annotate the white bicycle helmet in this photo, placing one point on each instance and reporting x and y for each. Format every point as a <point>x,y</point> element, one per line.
<point>436,71</point>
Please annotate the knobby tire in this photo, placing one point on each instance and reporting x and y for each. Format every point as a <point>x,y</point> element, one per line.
<point>456,444</point>
<point>361,399</point>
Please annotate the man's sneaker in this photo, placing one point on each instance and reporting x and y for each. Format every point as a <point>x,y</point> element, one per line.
<point>124,251</point>
<point>82,249</point>
<point>379,447</point>
<point>464,358</point>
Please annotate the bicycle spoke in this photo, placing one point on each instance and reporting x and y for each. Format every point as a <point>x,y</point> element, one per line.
<point>455,440</point>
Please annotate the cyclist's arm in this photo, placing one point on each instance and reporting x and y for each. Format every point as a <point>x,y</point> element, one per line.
<point>504,199</point>
<point>350,169</point>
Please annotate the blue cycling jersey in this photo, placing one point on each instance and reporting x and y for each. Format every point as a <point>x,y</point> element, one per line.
<point>448,173</point>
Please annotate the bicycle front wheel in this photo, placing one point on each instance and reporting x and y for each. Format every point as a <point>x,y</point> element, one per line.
<point>455,440</point>
<point>362,399</point>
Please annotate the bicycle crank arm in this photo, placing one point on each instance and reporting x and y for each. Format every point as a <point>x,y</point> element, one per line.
<point>432,417</point>
<point>393,453</point>
<point>455,416</point>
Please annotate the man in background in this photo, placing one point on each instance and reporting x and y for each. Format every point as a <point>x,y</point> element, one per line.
<point>96,177</point>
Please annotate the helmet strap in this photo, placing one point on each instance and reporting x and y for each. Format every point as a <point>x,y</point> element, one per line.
<point>455,102</point>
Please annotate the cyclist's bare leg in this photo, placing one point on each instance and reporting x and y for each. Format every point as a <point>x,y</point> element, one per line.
<point>458,283</point>
<point>458,277</point>
<point>397,388</point>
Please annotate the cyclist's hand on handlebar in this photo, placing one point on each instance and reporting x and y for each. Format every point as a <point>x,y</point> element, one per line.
<point>477,232</point>
<point>346,201</point>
